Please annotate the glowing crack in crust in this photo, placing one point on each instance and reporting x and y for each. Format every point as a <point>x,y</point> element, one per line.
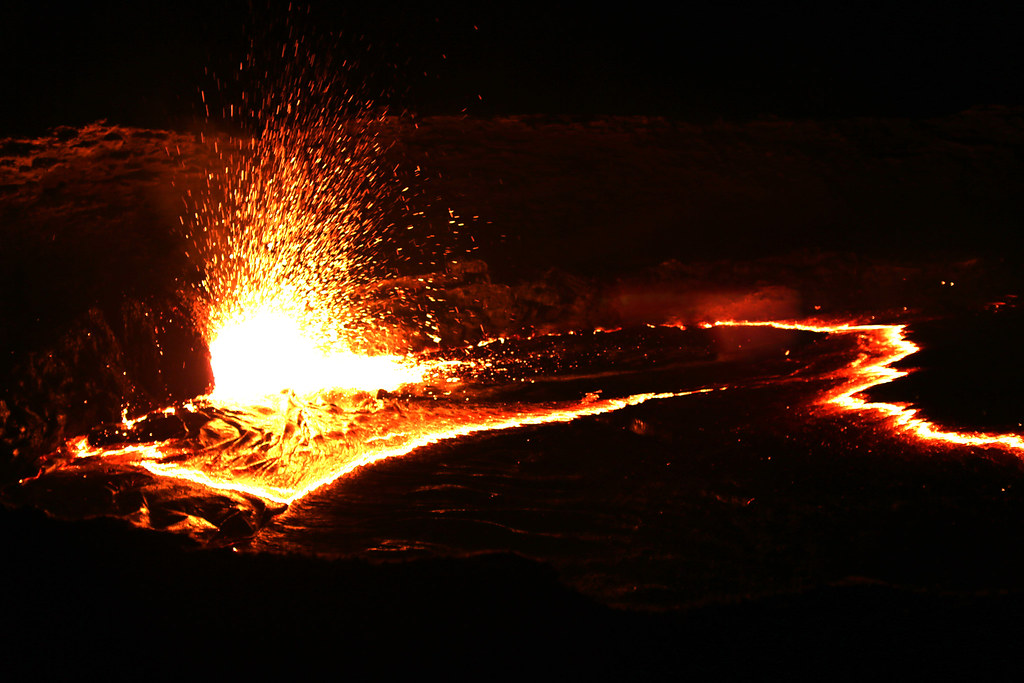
<point>882,347</point>
<point>283,447</point>
<point>339,457</point>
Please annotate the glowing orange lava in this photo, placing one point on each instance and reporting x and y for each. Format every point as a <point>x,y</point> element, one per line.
<point>284,469</point>
<point>882,347</point>
<point>413,434</point>
<point>282,446</point>
<point>267,353</point>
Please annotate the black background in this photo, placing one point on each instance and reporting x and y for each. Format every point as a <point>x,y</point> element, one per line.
<point>142,63</point>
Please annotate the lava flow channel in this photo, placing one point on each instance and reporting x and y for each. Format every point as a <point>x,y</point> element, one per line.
<point>283,446</point>
<point>287,450</point>
<point>882,347</point>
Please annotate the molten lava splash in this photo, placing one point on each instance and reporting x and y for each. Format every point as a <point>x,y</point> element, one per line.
<point>290,223</point>
<point>267,353</point>
<point>287,229</point>
<point>289,238</point>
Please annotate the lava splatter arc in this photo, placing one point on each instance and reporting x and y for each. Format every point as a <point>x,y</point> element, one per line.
<point>286,228</point>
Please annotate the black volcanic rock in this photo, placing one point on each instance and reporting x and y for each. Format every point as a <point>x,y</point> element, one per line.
<point>63,390</point>
<point>100,596</point>
<point>94,372</point>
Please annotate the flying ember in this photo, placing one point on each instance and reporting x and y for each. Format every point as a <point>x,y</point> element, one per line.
<point>288,226</point>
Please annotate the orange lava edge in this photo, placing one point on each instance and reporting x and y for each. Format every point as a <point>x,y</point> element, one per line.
<point>886,346</point>
<point>288,496</point>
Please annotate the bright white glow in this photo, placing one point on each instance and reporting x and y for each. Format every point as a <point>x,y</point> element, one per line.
<point>267,353</point>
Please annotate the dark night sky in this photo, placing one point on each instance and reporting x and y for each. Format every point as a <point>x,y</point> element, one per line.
<point>141,63</point>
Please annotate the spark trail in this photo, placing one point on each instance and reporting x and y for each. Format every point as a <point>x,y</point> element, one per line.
<point>289,225</point>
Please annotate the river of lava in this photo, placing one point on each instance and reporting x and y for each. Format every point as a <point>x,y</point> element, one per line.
<point>881,347</point>
<point>283,445</point>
